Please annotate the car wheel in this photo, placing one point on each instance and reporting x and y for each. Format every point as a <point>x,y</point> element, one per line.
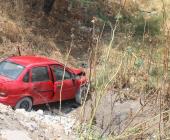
<point>81,95</point>
<point>24,103</point>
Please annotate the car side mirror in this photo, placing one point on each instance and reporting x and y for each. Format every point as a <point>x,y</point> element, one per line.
<point>73,76</point>
<point>84,65</point>
<point>73,79</point>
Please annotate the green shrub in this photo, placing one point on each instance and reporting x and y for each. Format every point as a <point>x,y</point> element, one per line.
<point>150,26</point>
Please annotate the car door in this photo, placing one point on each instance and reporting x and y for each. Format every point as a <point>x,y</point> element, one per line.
<point>42,84</point>
<point>63,83</point>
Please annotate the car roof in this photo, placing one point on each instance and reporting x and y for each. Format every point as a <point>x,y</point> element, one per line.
<point>31,60</point>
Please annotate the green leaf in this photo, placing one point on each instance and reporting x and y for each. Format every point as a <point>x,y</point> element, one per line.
<point>129,50</point>
<point>139,62</point>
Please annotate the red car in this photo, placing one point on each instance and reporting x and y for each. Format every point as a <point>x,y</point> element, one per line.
<point>29,80</point>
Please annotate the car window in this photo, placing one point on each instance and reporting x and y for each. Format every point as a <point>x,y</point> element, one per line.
<point>10,69</point>
<point>26,77</point>
<point>40,74</point>
<point>59,72</point>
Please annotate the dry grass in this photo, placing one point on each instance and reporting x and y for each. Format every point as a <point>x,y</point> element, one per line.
<point>141,67</point>
<point>130,66</point>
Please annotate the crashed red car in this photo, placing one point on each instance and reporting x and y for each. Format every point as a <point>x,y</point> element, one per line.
<point>29,80</point>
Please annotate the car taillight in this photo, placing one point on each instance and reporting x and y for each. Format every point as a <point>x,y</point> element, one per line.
<point>2,94</point>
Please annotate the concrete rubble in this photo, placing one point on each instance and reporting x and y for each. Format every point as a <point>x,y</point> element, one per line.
<point>19,125</point>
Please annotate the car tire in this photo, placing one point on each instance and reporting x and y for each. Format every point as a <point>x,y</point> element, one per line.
<point>81,95</point>
<point>24,103</point>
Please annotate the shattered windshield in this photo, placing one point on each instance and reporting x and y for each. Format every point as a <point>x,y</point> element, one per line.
<point>10,70</point>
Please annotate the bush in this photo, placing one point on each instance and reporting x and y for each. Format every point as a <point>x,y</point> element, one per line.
<point>150,26</point>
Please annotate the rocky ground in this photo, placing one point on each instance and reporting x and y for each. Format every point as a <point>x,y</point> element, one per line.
<point>35,125</point>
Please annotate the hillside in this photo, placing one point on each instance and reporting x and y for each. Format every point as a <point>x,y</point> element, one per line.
<point>124,46</point>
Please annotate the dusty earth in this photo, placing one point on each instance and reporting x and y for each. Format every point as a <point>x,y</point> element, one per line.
<point>45,122</point>
<point>117,115</point>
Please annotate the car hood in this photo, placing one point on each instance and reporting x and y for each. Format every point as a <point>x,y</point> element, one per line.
<point>77,71</point>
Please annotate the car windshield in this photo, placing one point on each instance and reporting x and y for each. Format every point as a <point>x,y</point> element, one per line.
<point>10,70</point>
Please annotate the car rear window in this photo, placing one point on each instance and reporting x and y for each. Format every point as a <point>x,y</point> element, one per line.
<point>10,69</point>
